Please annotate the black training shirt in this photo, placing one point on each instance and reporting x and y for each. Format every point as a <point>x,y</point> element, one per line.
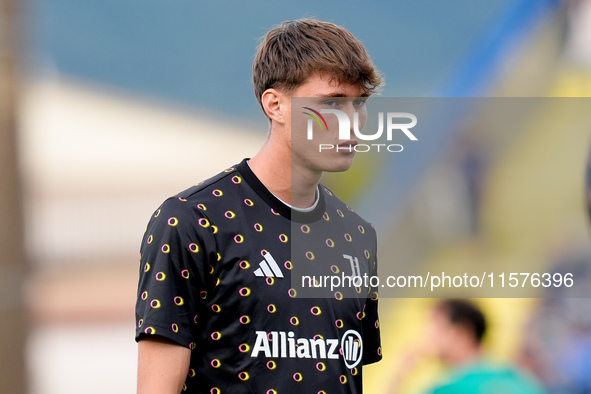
<point>216,276</point>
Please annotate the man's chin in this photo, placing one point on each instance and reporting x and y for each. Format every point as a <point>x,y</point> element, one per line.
<point>339,165</point>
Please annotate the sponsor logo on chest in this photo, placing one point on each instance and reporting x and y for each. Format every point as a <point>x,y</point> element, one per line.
<point>281,344</point>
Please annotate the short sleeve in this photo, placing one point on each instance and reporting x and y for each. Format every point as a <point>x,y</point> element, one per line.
<point>174,273</point>
<point>372,351</point>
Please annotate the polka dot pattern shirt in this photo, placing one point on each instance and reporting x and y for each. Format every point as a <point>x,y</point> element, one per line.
<point>220,273</point>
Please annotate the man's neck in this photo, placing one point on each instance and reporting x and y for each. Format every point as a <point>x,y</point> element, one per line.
<point>293,184</point>
<point>466,356</point>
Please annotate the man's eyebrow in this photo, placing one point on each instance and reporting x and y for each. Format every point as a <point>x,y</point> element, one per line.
<point>336,94</point>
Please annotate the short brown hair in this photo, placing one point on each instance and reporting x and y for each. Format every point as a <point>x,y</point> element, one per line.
<point>463,312</point>
<point>289,53</point>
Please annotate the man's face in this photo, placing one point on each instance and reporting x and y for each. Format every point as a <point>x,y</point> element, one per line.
<point>441,334</point>
<point>317,93</point>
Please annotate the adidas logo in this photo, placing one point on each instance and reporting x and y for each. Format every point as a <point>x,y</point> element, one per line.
<point>268,268</point>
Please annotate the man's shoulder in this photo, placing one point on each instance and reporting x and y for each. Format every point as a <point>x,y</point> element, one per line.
<point>210,187</point>
<point>196,198</point>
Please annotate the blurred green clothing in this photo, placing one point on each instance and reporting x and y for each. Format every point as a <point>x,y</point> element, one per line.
<point>484,377</point>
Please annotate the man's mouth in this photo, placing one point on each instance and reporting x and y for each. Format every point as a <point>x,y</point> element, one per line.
<point>347,144</point>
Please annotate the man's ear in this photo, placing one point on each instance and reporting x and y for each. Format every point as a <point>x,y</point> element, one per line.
<point>273,101</point>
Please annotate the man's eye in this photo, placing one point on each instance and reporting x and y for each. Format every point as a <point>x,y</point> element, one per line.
<point>360,102</point>
<point>331,103</point>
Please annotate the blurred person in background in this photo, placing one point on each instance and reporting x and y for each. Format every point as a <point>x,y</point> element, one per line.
<point>215,310</point>
<point>557,346</point>
<point>578,34</point>
<point>454,334</point>
<point>457,328</point>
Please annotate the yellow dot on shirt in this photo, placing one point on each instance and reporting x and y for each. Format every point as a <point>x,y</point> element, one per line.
<point>155,304</point>
<point>230,215</point>
<point>244,319</point>
<point>243,376</point>
<point>244,292</point>
<point>150,330</point>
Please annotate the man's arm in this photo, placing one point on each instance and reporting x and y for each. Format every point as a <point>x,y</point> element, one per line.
<point>162,366</point>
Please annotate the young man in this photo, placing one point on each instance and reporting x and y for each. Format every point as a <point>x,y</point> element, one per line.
<point>454,336</point>
<point>216,309</point>
<point>457,329</point>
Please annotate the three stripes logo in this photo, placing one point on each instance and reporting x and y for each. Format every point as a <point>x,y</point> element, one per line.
<point>268,268</point>
<point>352,348</point>
<point>315,115</point>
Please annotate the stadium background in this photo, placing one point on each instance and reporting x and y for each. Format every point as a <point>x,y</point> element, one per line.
<point>122,103</point>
